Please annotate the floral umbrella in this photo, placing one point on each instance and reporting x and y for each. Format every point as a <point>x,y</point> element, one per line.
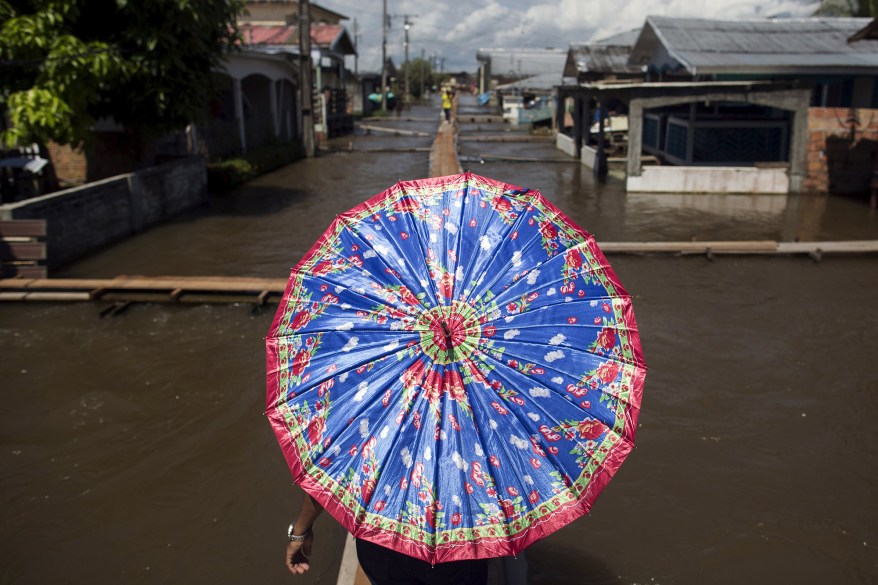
<point>454,370</point>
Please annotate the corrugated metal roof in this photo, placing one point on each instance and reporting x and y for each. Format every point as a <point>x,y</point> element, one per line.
<point>593,58</point>
<point>544,82</point>
<point>524,62</point>
<point>718,46</point>
<point>625,39</point>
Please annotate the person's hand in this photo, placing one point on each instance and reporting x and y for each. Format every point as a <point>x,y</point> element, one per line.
<point>297,556</point>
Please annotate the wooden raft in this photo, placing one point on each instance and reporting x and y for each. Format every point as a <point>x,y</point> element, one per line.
<point>262,291</point>
<point>171,289</point>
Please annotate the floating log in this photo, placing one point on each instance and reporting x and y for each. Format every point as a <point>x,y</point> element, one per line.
<point>171,289</point>
<point>394,131</point>
<point>261,291</point>
<point>506,138</point>
<point>711,248</point>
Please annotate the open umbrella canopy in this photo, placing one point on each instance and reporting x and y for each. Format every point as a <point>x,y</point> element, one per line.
<point>454,370</point>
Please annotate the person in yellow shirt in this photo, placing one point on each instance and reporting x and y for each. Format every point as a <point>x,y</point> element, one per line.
<point>446,105</point>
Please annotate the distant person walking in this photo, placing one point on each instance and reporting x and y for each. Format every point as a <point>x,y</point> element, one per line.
<point>446,105</point>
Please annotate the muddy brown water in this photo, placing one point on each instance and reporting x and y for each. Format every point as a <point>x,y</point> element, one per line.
<point>134,449</point>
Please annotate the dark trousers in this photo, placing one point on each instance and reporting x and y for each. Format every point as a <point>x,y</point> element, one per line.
<point>387,567</point>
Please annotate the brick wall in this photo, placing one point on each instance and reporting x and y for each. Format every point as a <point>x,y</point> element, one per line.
<point>70,164</point>
<point>842,145</point>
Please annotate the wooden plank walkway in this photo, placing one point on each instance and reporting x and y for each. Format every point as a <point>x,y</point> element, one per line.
<point>171,289</point>
<point>262,291</point>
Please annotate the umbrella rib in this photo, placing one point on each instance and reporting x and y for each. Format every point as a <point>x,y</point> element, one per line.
<point>525,246</point>
<point>555,459</point>
<point>559,258</point>
<point>573,376</point>
<point>419,228</point>
<point>606,357</point>
<point>482,438</point>
<point>561,395</point>
<point>498,191</point>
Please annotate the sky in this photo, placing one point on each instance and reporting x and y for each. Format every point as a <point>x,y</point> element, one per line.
<point>453,30</point>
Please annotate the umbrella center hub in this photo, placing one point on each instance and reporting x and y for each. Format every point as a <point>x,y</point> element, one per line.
<point>449,333</point>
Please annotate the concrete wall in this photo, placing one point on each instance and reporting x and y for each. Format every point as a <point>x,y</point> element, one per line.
<point>84,219</point>
<point>655,179</point>
<point>565,143</point>
<point>589,157</point>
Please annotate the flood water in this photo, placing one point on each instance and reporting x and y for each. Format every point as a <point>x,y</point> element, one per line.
<point>134,449</point>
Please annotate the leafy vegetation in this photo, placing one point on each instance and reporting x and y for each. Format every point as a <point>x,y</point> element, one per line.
<point>64,64</point>
<point>228,174</point>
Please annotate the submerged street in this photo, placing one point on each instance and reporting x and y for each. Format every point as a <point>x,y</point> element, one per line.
<point>135,449</point>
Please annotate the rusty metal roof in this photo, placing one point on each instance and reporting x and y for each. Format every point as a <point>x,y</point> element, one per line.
<point>704,47</point>
<point>331,36</point>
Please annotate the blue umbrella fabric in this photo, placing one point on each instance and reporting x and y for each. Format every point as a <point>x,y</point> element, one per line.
<point>454,370</point>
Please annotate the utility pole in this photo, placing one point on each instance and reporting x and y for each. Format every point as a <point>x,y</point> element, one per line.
<point>356,49</point>
<point>423,71</point>
<point>384,59</point>
<point>305,75</point>
<point>407,95</point>
<point>407,25</point>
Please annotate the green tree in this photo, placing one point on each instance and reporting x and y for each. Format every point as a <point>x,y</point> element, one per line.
<point>146,64</point>
<point>862,8</point>
<point>419,69</point>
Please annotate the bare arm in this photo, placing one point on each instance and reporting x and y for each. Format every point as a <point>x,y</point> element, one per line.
<point>297,553</point>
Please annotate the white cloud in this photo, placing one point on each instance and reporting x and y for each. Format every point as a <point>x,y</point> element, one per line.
<point>516,258</point>
<point>511,334</point>
<point>384,432</point>
<point>451,227</point>
<point>551,292</point>
<point>532,276</point>
<point>539,392</point>
<point>406,456</point>
<point>478,450</point>
<point>346,326</point>
<point>455,499</point>
<point>557,339</point>
<point>391,346</point>
<point>519,442</point>
<point>528,480</point>
<point>487,243</point>
<point>364,427</point>
<point>361,392</point>
<point>369,254</point>
<point>351,344</point>
<point>553,356</point>
<point>558,380</point>
<point>458,274</point>
<point>533,416</point>
<point>343,376</point>
<point>441,31</point>
<point>428,454</point>
<point>493,424</point>
<point>459,461</point>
